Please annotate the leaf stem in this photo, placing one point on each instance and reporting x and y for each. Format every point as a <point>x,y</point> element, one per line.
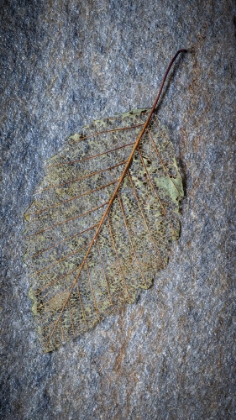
<point>138,140</point>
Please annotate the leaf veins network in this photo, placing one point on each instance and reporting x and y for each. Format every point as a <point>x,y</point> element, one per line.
<point>102,223</point>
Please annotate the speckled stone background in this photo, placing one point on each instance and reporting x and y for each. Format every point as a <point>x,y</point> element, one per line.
<point>64,63</point>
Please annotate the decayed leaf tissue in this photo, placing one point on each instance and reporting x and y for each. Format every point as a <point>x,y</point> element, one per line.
<point>102,223</point>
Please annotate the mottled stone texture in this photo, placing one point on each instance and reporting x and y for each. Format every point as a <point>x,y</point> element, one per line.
<point>172,354</point>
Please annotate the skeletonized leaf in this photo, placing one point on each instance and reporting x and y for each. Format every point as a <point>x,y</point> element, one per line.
<point>102,223</point>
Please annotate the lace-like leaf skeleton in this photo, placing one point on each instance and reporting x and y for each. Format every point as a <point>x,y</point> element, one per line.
<point>102,223</point>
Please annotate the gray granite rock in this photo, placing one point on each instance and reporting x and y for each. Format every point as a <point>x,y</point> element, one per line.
<point>172,354</point>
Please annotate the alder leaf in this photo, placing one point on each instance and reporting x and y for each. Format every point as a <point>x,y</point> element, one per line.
<point>102,223</point>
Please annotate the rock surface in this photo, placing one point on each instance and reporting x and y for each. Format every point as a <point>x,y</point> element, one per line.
<point>172,354</point>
